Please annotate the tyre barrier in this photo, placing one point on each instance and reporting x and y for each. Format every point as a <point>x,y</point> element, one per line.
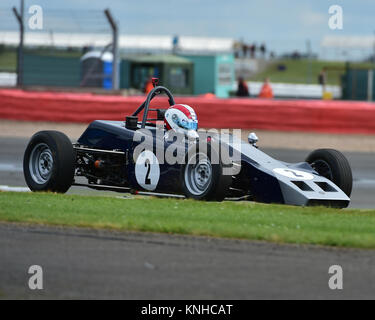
<point>278,115</point>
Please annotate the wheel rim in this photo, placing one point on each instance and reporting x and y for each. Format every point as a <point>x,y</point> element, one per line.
<point>198,175</point>
<point>323,168</point>
<point>41,163</point>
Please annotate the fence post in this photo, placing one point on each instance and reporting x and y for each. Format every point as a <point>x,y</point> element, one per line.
<point>115,65</point>
<point>19,17</point>
<point>370,78</point>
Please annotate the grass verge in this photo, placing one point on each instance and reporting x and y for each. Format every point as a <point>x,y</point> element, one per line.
<point>300,71</point>
<point>243,220</point>
<point>8,61</point>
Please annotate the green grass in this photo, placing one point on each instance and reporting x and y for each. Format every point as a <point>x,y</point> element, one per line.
<point>8,60</point>
<point>297,71</point>
<point>243,220</point>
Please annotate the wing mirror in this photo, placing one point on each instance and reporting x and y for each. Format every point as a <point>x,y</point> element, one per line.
<point>252,138</point>
<point>155,82</point>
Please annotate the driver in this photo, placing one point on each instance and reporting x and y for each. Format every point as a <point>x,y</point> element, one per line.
<point>182,119</point>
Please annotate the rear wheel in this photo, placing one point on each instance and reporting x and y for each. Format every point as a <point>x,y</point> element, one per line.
<point>334,166</point>
<point>49,162</point>
<point>202,179</point>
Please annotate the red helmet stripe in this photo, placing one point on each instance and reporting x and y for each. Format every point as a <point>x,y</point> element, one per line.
<point>183,109</point>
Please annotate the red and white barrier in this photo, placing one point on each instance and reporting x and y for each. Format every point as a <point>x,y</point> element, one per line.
<point>283,115</point>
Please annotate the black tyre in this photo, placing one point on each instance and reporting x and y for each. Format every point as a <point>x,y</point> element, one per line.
<point>202,178</point>
<point>49,162</point>
<point>334,166</point>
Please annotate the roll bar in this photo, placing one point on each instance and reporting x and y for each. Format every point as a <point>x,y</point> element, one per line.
<point>152,94</point>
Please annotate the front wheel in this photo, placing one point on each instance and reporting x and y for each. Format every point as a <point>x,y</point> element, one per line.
<point>202,178</point>
<point>334,166</point>
<point>49,162</point>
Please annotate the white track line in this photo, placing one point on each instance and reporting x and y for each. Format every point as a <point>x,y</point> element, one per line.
<point>14,189</point>
<point>11,167</point>
<point>364,181</point>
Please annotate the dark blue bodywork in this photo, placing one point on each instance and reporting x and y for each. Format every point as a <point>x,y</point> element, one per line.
<point>261,177</point>
<point>113,135</point>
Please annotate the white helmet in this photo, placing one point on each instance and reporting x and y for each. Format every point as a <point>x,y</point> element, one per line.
<point>182,119</point>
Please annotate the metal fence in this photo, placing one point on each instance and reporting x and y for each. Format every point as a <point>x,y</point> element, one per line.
<point>44,61</point>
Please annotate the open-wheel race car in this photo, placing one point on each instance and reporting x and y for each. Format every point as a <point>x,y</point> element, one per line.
<point>113,155</point>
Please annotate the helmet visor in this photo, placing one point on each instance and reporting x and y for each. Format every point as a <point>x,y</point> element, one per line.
<point>189,125</point>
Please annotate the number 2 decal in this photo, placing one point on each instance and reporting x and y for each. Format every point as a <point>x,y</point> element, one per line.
<point>294,174</point>
<point>148,166</point>
<point>147,170</point>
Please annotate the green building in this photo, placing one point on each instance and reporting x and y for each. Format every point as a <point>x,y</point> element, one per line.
<point>184,74</point>
<point>175,73</point>
<point>213,73</point>
<point>51,70</point>
<point>358,84</point>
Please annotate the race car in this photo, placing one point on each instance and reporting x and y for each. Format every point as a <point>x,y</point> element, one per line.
<point>114,155</point>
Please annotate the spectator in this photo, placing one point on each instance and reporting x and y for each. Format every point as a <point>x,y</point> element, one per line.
<point>148,86</point>
<point>237,47</point>
<point>208,95</point>
<point>296,55</point>
<point>175,43</point>
<point>242,89</point>
<point>263,50</point>
<point>266,91</point>
<point>244,50</point>
<point>252,50</point>
<point>322,79</point>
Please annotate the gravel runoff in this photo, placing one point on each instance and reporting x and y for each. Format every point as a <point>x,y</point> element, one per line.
<point>267,139</point>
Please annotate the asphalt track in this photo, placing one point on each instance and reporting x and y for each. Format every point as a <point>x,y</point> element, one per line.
<point>80,263</point>
<point>363,166</point>
<point>87,264</point>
